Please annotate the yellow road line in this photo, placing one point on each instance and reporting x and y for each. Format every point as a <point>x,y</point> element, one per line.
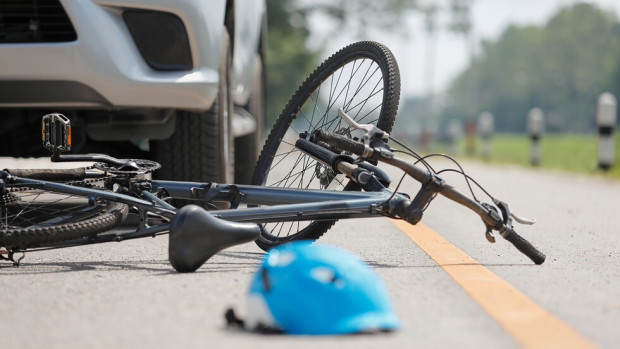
<point>528,323</point>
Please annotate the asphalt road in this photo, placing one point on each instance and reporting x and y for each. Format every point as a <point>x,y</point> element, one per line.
<point>127,295</point>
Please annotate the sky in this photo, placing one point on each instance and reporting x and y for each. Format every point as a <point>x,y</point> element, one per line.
<point>490,18</point>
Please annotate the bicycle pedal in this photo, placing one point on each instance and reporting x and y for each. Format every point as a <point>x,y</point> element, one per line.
<point>56,133</point>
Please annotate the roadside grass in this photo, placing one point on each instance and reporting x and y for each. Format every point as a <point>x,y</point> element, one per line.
<point>568,152</point>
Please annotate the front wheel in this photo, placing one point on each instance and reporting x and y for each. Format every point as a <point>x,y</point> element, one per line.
<point>362,79</point>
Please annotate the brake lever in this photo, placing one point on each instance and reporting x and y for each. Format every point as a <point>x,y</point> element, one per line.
<point>504,208</point>
<point>522,220</point>
<point>489,232</point>
<point>371,130</point>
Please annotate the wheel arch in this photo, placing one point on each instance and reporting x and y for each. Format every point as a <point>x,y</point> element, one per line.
<point>229,23</point>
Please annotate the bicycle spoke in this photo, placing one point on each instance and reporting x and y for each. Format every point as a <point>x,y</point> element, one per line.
<point>291,174</point>
<point>348,101</point>
<point>331,101</point>
<point>363,103</point>
<point>28,209</point>
<point>40,208</point>
<point>284,156</point>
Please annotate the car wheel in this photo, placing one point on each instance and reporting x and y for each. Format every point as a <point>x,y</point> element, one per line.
<point>202,146</point>
<point>247,147</point>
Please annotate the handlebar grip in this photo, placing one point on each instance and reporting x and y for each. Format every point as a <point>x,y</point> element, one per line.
<point>339,141</point>
<point>525,247</point>
<point>316,151</point>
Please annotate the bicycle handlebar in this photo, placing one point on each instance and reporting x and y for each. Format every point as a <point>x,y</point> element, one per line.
<point>490,218</point>
<point>339,141</point>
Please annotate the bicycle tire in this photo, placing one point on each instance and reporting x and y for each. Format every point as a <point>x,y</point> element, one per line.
<point>370,64</point>
<point>35,217</point>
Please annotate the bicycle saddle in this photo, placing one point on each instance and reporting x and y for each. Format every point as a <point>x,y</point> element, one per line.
<point>196,235</point>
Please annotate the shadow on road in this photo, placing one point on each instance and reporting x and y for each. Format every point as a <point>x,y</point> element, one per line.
<point>222,262</point>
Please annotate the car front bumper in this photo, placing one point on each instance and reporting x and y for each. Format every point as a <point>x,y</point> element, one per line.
<point>104,67</point>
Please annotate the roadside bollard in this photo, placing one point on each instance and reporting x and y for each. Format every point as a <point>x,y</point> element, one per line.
<point>606,122</point>
<point>470,137</point>
<point>455,131</point>
<point>428,135</point>
<point>535,127</point>
<point>485,125</point>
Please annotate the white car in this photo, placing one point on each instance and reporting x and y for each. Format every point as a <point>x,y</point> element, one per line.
<point>184,75</point>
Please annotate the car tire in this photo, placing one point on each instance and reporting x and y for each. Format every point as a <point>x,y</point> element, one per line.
<point>247,147</point>
<point>202,146</point>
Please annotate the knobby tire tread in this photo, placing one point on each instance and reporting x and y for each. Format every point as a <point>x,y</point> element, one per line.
<point>34,237</point>
<point>192,153</point>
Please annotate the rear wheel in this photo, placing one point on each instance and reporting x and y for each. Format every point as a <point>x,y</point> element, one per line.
<point>34,217</point>
<point>202,146</point>
<point>363,79</point>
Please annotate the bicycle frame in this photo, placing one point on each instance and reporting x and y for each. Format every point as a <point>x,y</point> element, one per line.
<point>279,204</point>
<point>285,204</point>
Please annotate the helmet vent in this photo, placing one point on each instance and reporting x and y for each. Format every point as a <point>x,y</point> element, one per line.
<point>281,258</point>
<point>265,278</point>
<point>327,276</point>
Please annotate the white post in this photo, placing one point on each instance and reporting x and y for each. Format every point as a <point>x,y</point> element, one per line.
<point>486,125</point>
<point>455,131</point>
<point>535,127</point>
<point>606,122</point>
<point>470,133</point>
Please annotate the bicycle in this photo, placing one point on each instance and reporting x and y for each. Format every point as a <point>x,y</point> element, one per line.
<point>331,160</point>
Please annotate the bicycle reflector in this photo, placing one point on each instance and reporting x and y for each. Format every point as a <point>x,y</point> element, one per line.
<point>56,133</point>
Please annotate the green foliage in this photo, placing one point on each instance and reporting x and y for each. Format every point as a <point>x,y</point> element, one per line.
<point>357,16</point>
<point>568,152</point>
<point>288,60</point>
<point>561,68</point>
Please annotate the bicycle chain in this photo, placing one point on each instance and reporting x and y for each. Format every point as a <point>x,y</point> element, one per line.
<point>86,183</point>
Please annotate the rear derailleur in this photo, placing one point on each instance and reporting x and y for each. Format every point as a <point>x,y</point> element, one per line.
<point>8,255</point>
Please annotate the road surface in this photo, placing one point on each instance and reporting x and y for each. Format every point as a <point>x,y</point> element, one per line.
<point>122,295</point>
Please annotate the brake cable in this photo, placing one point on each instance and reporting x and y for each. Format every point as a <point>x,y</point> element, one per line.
<point>430,168</point>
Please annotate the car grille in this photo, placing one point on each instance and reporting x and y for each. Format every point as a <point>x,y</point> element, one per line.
<point>29,21</point>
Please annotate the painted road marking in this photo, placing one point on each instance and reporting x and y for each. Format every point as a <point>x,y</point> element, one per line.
<point>528,323</point>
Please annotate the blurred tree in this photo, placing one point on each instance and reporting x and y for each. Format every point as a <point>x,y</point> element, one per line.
<point>461,23</point>
<point>288,59</point>
<point>561,68</point>
<point>357,16</point>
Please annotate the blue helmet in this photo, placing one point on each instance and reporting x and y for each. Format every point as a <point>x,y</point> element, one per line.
<point>302,288</point>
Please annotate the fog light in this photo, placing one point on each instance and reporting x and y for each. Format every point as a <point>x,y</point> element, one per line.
<point>161,38</point>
